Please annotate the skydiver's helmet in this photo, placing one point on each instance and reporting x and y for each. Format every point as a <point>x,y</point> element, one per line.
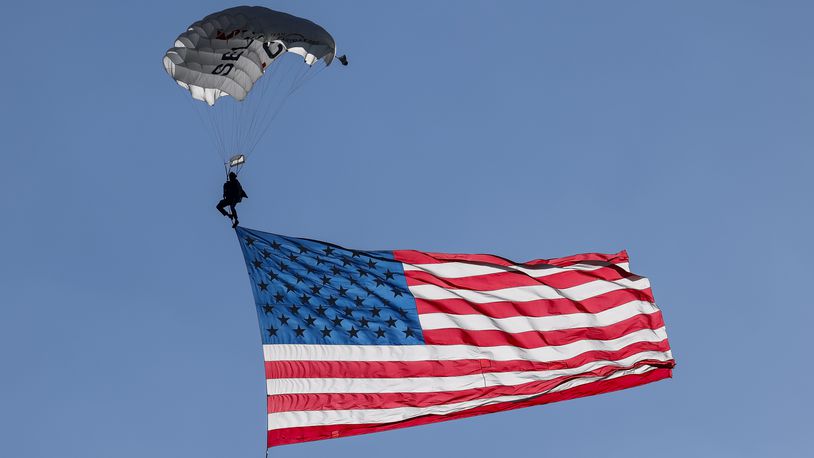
<point>232,176</point>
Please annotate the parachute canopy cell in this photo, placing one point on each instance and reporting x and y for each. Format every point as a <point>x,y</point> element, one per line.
<point>226,53</point>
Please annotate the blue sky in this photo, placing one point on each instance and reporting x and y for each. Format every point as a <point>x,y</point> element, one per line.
<point>680,131</point>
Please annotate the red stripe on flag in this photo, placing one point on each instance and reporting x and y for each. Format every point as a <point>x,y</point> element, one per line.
<point>538,308</point>
<point>500,280</point>
<point>418,257</point>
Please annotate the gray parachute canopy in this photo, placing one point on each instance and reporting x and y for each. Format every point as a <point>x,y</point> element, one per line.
<point>226,53</point>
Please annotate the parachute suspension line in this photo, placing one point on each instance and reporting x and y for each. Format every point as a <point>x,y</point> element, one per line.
<point>213,124</point>
<point>260,103</point>
<point>259,93</point>
<point>297,82</point>
<point>218,113</point>
<point>243,118</point>
<point>310,75</point>
<point>208,126</point>
<point>236,113</point>
<point>276,74</point>
<point>281,73</point>
<point>256,104</point>
<point>217,126</point>
<point>273,109</point>
<point>235,126</point>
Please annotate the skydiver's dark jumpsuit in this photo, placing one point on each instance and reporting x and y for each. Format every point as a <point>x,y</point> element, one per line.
<point>233,193</point>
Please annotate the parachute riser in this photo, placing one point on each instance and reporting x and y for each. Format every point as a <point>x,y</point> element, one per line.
<point>235,164</point>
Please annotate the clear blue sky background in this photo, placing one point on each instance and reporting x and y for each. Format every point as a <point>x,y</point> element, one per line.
<point>681,131</point>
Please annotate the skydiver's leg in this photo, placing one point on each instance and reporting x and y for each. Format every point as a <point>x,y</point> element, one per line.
<point>234,215</point>
<point>222,208</point>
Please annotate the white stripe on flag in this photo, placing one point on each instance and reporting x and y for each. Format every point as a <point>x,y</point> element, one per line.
<point>529,293</point>
<point>468,269</point>
<point>302,352</point>
<point>545,323</point>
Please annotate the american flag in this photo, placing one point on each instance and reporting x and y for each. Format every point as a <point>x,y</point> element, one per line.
<point>356,341</point>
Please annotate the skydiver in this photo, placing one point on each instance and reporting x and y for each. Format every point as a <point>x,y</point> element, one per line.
<point>233,193</point>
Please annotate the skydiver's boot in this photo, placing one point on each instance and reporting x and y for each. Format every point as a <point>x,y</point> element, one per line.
<point>235,223</point>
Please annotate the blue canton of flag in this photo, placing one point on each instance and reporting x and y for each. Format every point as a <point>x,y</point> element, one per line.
<point>312,292</point>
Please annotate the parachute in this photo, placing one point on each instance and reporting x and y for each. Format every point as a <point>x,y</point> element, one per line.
<point>243,63</point>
